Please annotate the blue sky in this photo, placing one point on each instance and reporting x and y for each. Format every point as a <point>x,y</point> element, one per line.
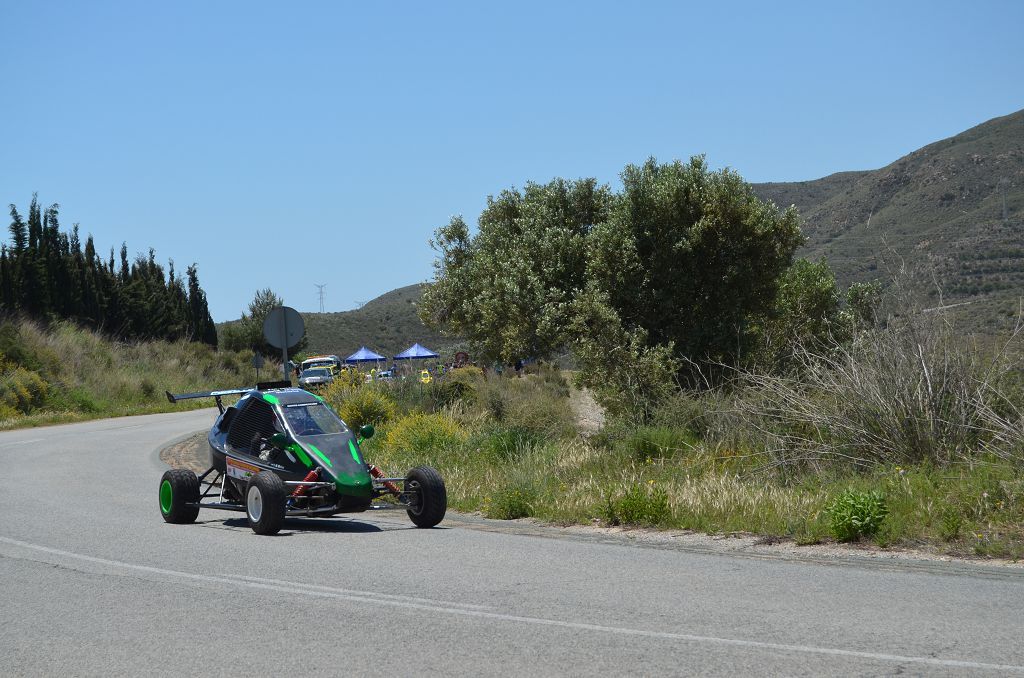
<point>287,144</point>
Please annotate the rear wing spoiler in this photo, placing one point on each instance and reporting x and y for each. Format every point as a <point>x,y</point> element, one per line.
<point>216,395</point>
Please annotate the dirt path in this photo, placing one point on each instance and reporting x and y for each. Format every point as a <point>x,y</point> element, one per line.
<point>589,415</point>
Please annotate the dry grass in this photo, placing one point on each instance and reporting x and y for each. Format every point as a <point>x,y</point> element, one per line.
<point>916,417</point>
<point>89,377</point>
<point>909,393</point>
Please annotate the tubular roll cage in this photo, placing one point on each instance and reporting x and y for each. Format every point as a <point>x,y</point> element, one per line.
<point>219,479</point>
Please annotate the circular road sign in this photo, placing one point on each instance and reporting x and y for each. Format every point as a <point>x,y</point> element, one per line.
<point>283,327</point>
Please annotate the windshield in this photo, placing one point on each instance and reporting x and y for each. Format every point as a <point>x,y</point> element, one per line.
<point>313,419</point>
<point>317,372</point>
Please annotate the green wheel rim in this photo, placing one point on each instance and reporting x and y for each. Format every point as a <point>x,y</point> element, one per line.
<point>165,496</point>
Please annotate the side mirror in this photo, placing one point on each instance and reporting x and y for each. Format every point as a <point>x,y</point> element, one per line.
<point>279,440</point>
<point>366,432</point>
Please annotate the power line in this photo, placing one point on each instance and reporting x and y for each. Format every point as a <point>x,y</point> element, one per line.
<point>320,290</point>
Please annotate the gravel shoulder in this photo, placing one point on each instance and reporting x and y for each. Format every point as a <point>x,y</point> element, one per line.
<point>190,453</point>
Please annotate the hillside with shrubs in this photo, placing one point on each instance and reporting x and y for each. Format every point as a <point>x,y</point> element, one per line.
<point>62,372</point>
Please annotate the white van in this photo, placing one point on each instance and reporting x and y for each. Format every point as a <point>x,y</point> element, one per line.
<point>331,362</point>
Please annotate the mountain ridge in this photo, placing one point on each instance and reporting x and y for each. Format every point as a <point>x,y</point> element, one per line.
<point>940,207</point>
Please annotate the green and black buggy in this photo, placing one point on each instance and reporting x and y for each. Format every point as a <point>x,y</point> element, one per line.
<point>281,451</point>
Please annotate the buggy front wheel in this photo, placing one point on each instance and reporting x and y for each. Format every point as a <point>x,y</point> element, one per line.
<point>179,496</point>
<point>428,499</point>
<point>265,502</point>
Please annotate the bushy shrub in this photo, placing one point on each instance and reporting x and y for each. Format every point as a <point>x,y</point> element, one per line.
<point>856,514</point>
<point>349,378</point>
<point>231,363</point>
<point>469,373</point>
<point>420,432</point>
<point>456,386</point>
<point>553,380</point>
<point>515,500</point>
<point>952,522</point>
<point>23,390</point>
<point>81,400</point>
<point>658,442</point>
<point>640,505</point>
<point>506,442</point>
<point>409,394</point>
<point>23,345</point>
<point>527,404</point>
<point>361,406</point>
<point>7,413</point>
<point>444,393</point>
<point>684,410</point>
<point>496,404</point>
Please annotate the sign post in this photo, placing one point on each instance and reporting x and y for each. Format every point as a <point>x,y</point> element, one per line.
<point>257,362</point>
<point>283,328</point>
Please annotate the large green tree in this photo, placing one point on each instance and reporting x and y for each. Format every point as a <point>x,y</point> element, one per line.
<point>674,276</point>
<point>686,269</point>
<point>509,288</point>
<point>691,256</point>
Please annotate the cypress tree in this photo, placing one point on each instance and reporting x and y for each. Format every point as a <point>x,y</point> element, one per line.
<point>45,274</point>
<point>203,328</point>
<point>125,271</point>
<point>19,232</point>
<point>7,298</point>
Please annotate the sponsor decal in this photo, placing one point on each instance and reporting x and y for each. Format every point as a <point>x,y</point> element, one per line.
<point>240,469</point>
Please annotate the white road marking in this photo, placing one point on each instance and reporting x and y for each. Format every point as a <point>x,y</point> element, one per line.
<point>23,442</point>
<point>378,599</point>
<point>331,589</point>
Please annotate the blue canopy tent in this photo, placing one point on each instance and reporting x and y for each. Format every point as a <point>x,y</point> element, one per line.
<point>415,352</point>
<point>364,355</point>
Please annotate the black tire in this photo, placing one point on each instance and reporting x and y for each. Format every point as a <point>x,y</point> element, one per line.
<point>428,499</point>
<point>179,496</point>
<point>265,502</point>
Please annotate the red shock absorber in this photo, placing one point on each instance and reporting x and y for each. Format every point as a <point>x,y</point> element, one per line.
<point>311,477</point>
<point>377,473</point>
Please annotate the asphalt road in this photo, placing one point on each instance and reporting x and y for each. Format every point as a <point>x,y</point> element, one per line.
<point>95,583</point>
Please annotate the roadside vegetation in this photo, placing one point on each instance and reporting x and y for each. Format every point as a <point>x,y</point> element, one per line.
<point>62,373</point>
<point>508,448</point>
<point>744,390</point>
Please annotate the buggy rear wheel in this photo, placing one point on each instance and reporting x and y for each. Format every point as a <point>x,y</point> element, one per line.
<point>179,496</point>
<point>428,499</point>
<point>265,502</point>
